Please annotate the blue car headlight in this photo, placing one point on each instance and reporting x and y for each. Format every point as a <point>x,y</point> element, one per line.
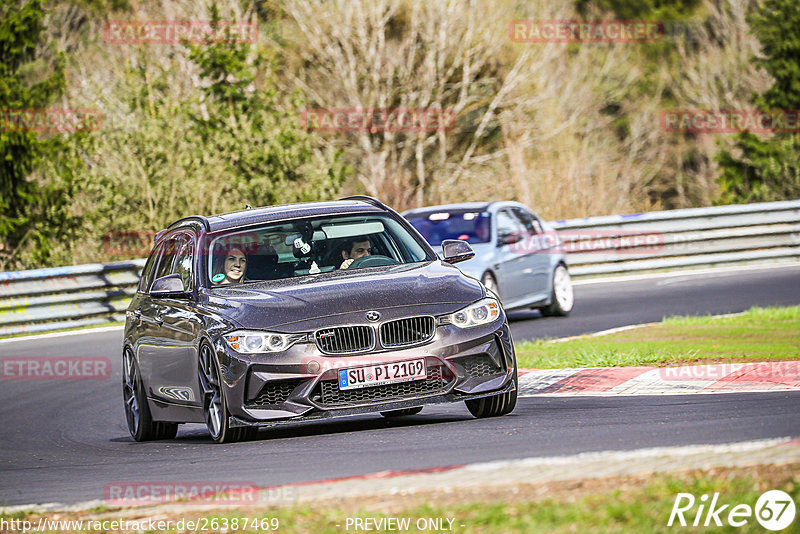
<point>482,312</point>
<point>251,342</point>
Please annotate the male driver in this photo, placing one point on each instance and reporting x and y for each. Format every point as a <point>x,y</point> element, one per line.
<point>355,247</point>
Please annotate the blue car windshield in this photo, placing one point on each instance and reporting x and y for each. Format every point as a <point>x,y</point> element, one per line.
<point>309,247</point>
<point>470,226</point>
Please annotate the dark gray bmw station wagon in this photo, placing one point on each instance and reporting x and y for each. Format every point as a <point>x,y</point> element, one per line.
<point>308,311</point>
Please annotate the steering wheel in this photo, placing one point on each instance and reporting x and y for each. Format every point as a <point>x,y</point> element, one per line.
<point>376,260</point>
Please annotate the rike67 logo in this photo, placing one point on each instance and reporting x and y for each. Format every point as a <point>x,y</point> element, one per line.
<point>774,510</point>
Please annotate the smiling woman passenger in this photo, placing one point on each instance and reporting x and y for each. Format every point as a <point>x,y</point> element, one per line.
<point>232,267</point>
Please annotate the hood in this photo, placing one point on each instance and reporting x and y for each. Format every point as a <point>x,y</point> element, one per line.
<point>430,287</point>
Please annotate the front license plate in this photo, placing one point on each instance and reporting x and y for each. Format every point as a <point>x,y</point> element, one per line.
<point>385,373</point>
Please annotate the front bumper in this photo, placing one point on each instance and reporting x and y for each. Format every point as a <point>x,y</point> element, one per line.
<point>462,364</point>
<point>358,410</point>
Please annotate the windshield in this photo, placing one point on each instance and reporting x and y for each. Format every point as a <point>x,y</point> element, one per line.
<point>309,247</point>
<point>470,226</point>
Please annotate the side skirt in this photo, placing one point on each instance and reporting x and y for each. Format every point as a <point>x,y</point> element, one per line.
<point>175,413</point>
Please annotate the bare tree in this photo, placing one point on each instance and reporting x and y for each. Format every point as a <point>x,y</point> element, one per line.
<point>382,54</point>
<point>529,122</point>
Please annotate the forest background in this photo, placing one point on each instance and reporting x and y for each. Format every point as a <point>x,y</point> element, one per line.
<point>571,129</point>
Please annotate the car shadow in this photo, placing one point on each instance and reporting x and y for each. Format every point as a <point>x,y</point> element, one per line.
<point>197,433</point>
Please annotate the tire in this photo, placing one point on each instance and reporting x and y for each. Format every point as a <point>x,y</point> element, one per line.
<point>215,407</point>
<point>496,406</point>
<point>137,411</point>
<point>402,413</point>
<point>490,282</point>
<point>562,298</point>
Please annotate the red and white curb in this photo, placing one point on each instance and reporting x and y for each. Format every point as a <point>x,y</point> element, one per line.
<point>715,378</point>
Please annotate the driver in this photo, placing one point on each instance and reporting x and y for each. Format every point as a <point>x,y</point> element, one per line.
<point>353,248</point>
<point>482,230</point>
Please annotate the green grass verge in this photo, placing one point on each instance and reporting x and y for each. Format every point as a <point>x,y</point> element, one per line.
<point>624,504</point>
<point>758,334</point>
<point>634,508</point>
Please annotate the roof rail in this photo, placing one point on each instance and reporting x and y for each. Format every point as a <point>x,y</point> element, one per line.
<point>190,218</point>
<point>198,218</point>
<point>369,200</point>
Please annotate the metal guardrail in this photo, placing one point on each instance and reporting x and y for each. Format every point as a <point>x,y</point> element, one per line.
<point>686,238</point>
<point>64,297</point>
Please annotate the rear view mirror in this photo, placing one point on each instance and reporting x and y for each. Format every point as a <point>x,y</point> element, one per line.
<point>336,231</point>
<point>454,251</point>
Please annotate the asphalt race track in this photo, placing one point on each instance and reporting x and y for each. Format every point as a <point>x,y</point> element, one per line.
<point>64,441</point>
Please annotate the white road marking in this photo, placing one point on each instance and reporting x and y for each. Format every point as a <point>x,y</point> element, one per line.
<point>651,452</point>
<point>36,337</point>
<point>632,327</point>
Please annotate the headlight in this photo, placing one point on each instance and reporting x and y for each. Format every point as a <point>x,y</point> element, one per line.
<point>252,342</point>
<point>482,312</point>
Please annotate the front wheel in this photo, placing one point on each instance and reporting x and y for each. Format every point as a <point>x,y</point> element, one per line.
<point>490,282</point>
<point>562,297</point>
<point>215,408</point>
<point>498,405</point>
<point>137,412</point>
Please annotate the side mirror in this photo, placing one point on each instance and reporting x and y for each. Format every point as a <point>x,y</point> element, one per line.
<point>508,239</point>
<point>454,251</point>
<point>168,286</point>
